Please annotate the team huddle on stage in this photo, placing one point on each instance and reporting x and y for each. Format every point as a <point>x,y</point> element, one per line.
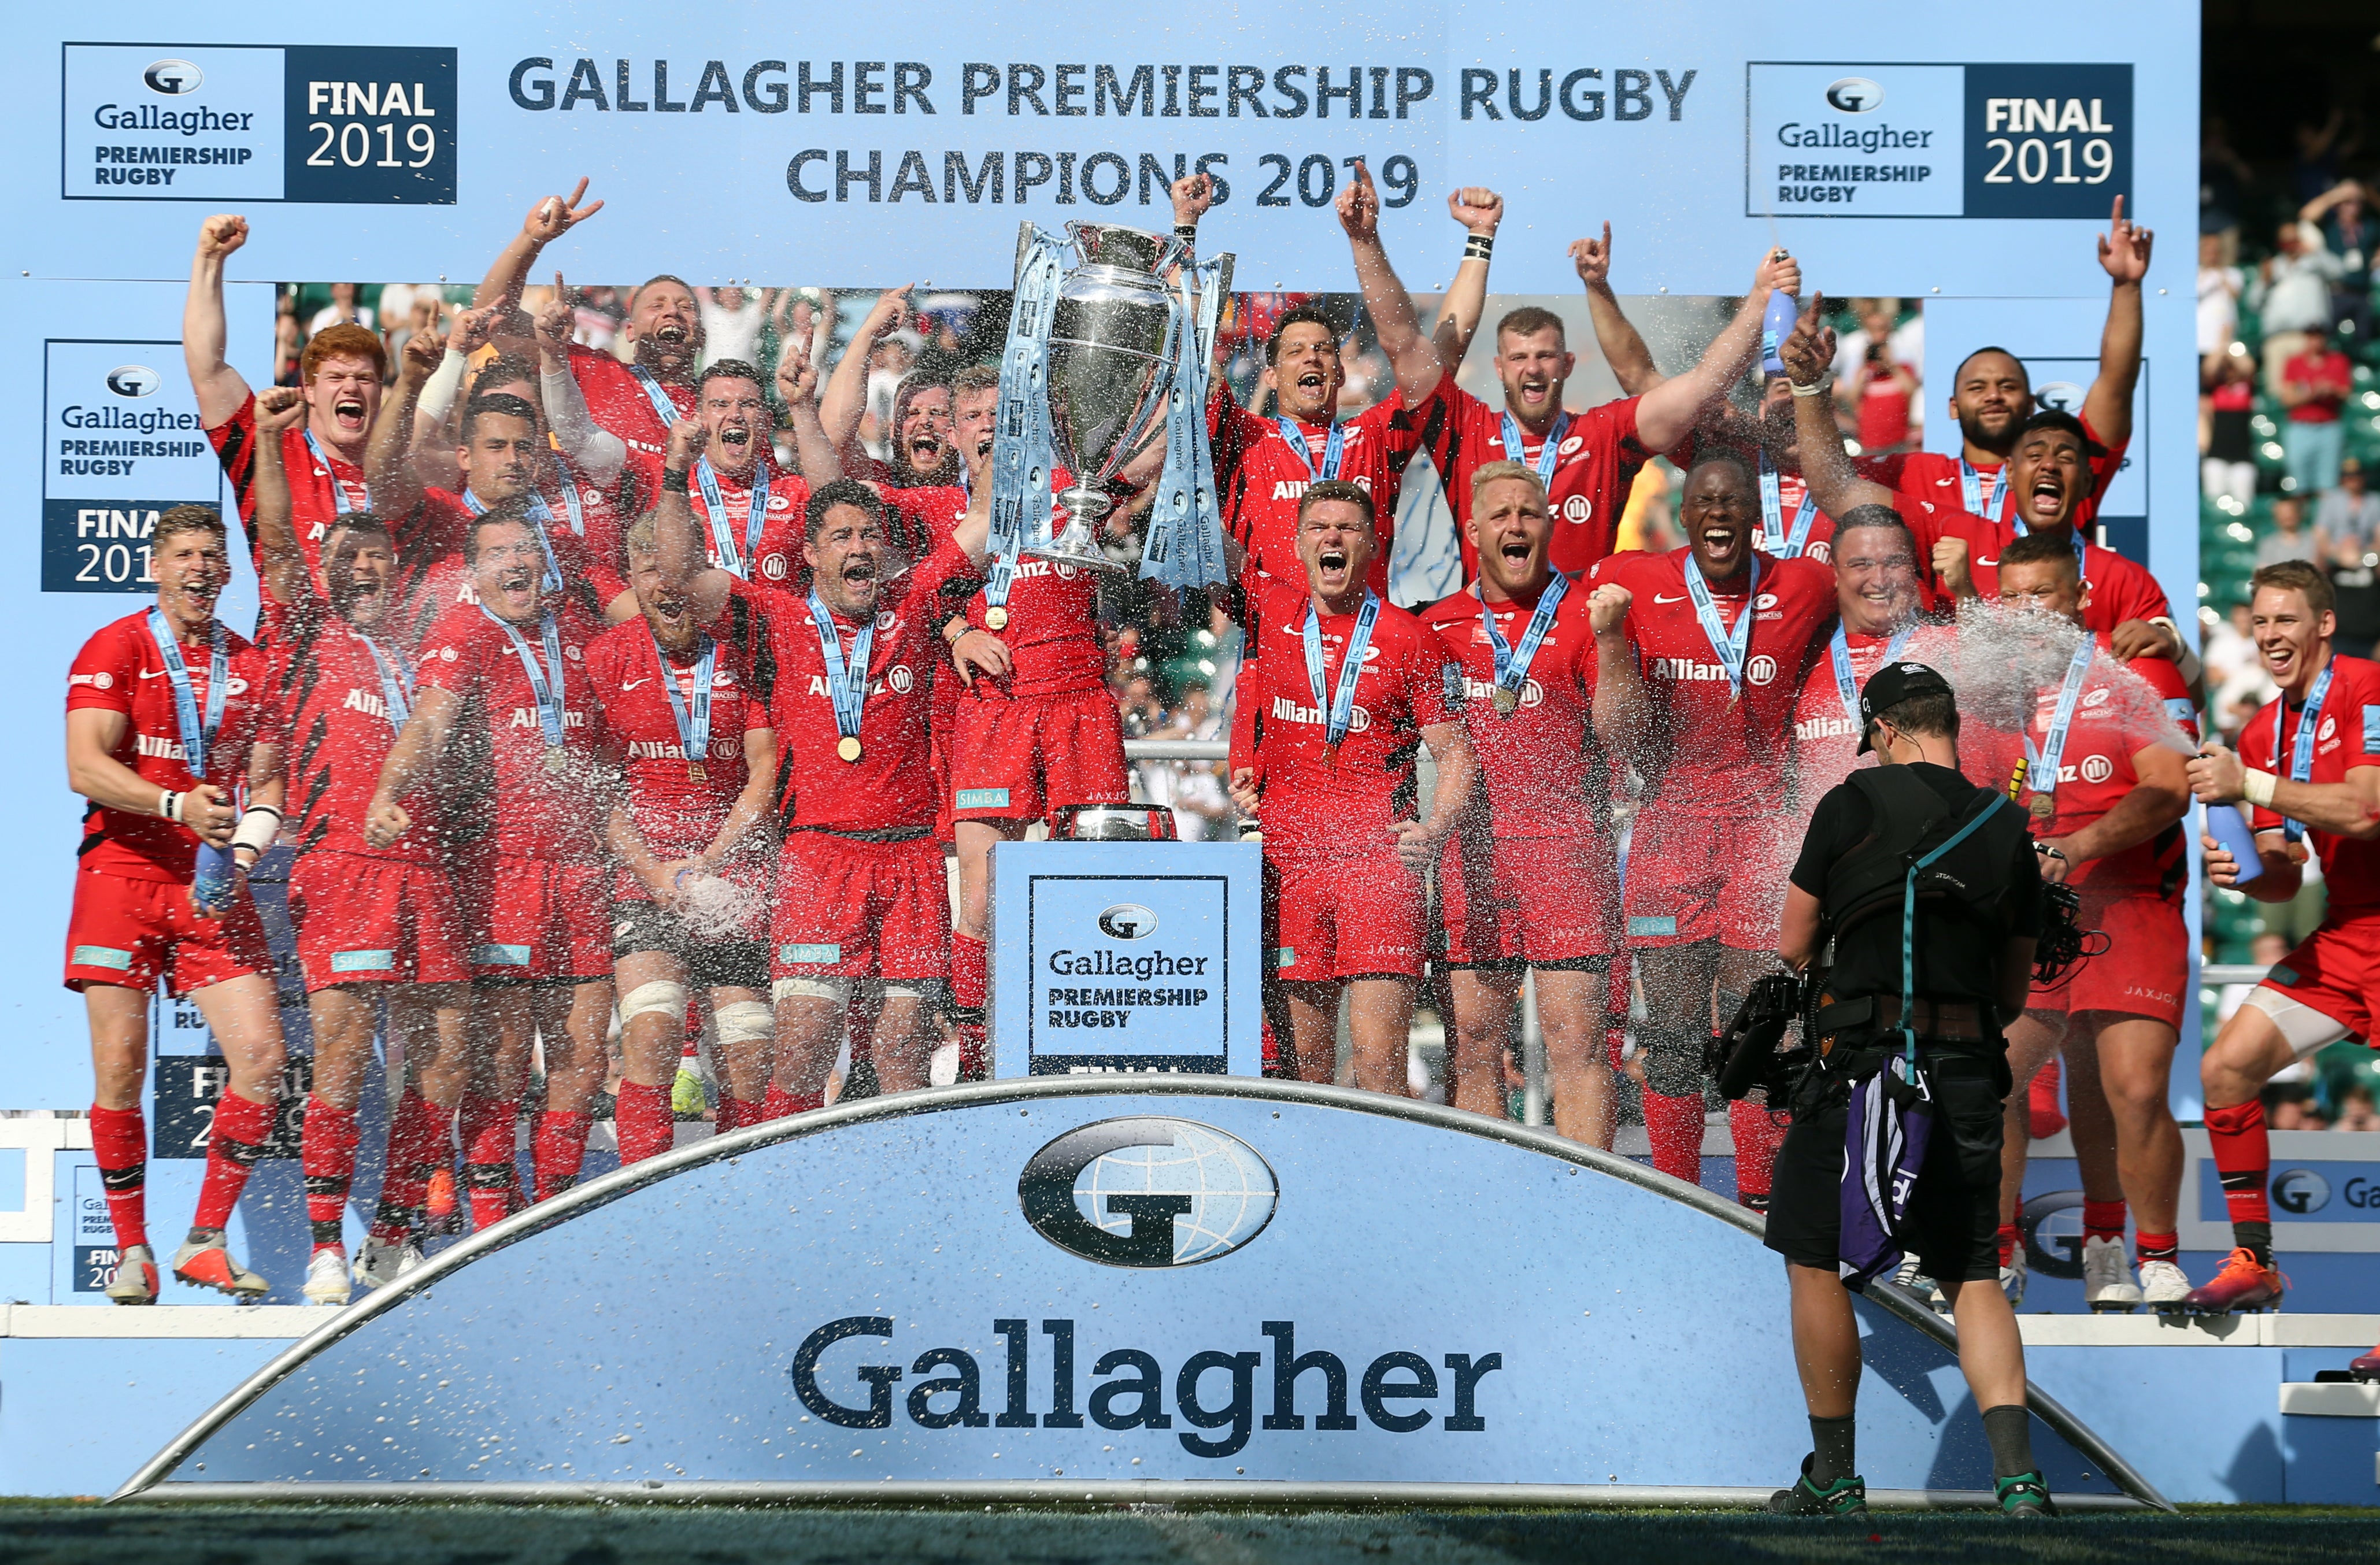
<point>573,702</point>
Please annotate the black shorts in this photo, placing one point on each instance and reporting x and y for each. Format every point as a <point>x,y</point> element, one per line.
<point>646,925</point>
<point>1954,1217</point>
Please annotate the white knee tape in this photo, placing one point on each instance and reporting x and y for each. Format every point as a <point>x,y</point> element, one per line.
<point>833,990</point>
<point>747,1021</point>
<point>2305,1028</point>
<point>895,989</point>
<point>667,998</point>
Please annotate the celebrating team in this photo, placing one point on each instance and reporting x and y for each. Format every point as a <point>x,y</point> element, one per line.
<point>573,702</point>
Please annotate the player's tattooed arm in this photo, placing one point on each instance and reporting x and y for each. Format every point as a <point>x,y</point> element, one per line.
<point>1666,413</point>
<point>274,528</point>
<point>1412,356</point>
<point>220,389</point>
<point>2124,253</point>
<point>1479,211</point>
<point>1834,482</point>
<point>1622,345</point>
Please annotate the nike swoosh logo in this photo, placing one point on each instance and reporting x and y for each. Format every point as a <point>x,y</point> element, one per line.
<point>1679,598</point>
<point>631,684</point>
<point>1993,561</point>
<point>152,674</point>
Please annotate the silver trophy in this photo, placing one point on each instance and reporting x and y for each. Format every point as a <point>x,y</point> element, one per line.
<point>1113,345</point>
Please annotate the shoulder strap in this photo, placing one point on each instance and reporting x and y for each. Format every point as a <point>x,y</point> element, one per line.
<point>1992,802</point>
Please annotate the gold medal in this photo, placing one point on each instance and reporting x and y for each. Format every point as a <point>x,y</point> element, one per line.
<point>557,759</point>
<point>1330,755</point>
<point>849,748</point>
<point>996,617</point>
<point>2042,806</point>
<point>1507,701</point>
<point>694,772</point>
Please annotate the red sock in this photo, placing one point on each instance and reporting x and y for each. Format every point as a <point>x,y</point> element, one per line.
<point>1271,1050</point>
<point>120,1140</point>
<point>2007,1242</point>
<point>2043,1118</point>
<point>970,961</point>
<point>2103,1219</point>
<point>2243,1156</point>
<point>327,1152</point>
<point>1615,1007</point>
<point>490,1166</point>
<point>234,1143</point>
<point>779,1103</point>
<point>735,1113</point>
<point>2156,1247</point>
<point>417,1139</point>
<point>558,1150</point>
<point>1675,1125</point>
<point>1758,1134</point>
<point>644,1122</point>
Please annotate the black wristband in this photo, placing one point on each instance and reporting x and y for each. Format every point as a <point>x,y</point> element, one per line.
<point>1480,247</point>
<point>1185,232</point>
<point>673,480</point>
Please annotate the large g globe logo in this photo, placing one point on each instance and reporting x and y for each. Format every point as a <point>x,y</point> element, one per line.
<point>2300,1192</point>
<point>1148,1192</point>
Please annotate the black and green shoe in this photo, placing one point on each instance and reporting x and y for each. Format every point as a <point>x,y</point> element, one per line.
<point>2024,1494</point>
<point>1844,1497</point>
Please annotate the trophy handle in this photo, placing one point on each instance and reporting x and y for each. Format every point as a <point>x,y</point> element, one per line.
<point>1026,234</point>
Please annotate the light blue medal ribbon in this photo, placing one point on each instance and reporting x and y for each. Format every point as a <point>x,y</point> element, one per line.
<point>1773,536</point>
<point>723,531</point>
<point>338,490</point>
<point>1341,711</point>
<point>1845,686</point>
<point>539,514</point>
<point>545,684</point>
<point>2041,765</point>
<point>656,394</point>
<point>198,732</point>
<point>2301,751</point>
<point>1514,443</point>
<point>1332,449</point>
<point>1184,543</point>
<point>846,682</point>
<point>395,682</point>
<point>1728,646</point>
<point>572,501</point>
<point>1512,663</point>
<point>1021,444</point>
<point>694,727</point>
<point>1971,489</point>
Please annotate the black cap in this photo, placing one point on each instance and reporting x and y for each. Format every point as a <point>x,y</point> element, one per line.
<point>1891,685</point>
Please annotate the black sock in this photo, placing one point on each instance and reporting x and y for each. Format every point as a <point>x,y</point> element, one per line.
<point>2010,1429</point>
<point>1833,1444</point>
<point>2256,1238</point>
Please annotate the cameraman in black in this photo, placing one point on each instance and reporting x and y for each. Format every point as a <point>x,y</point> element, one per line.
<point>1963,959</point>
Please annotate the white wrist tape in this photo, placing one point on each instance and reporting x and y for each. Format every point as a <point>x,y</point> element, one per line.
<point>257,829</point>
<point>1815,388</point>
<point>169,805</point>
<point>2258,787</point>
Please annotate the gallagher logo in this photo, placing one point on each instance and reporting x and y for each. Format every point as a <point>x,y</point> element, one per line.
<point>2300,1192</point>
<point>1147,1193</point>
<point>1127,921</point>
<point>1855,95</point>
<point>175,79</point>
<point>134,380</point>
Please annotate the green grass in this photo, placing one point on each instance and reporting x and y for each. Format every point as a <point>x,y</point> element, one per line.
<point>48,1533</point>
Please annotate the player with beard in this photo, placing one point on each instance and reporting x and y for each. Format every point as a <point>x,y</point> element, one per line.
<point>686,705</point>
<point>506,723</point>
<point>1877,596</point>
<point>1529,880</point>
<point>161,706</point>
<point>2107,791</point>
<point>1726,635</point>
<point>748,509</point>
<point>374,923</point>
<point>1326,761</point>
<point>1589,461</point>
<point>2049,474</point>
<point>340,372</point>
<point>917,435</point>
<point>2317,789</point>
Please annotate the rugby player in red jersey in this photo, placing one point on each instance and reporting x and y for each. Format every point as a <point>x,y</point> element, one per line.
<point>161,707</point>
<point>747,508</point>
<point>2106,784</point>
<point>917,437</point>
<point>1529,880</point>
<point>1326,761</point>
<point>505,723</point>
<point>2321,790</point>
<point>1877,596</point>
<point>1726,635</point>
<point>2049,480</point>
<point>1262,465</point>
<point>340,372</point>
<point>1595,456</point>
<point>862,898</point>
<point>372,924</point>
<point>686,705</point>
<point>1991,397</point>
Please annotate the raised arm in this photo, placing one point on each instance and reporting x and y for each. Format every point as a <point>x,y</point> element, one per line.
<point>1618,711</point>
<point>2124,252</point>
<point>546,222</point>
<point>845,397</point>
<point>1413,356</point>
<point>280,556</point>
<point>798,388</point>
<point>679,551</point>
<point>220,388</point>
<point>1834,482</point>
<point>1479,211</point>
<point>1623,347</point>
<point>1665,413</point>
<point>594,450</point>
<point>388,457</point>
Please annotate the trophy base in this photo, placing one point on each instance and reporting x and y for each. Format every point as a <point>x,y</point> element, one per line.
<point>1075,545</point>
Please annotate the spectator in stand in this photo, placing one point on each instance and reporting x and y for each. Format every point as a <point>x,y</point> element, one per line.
<point>347,308</point>
<point>2356,1110</point>
<point>2224,180</point>
<point>288,342</point>
<point>1876,376</point>
<point>2351,233</point>
<point>2291,292</point>
<point>2290,1106</point>
<point>2357,589</point>
<point>2225,438</point>
<point>2315,383</point>
<point>423,309</point>
<point>2218,296</point>
<point>2289,539</point>
<point>732,319</point>
<point>2320,143</point>
<point>2347,518</point>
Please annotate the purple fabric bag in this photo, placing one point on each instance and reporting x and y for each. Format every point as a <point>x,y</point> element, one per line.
<point>1890,1121</point>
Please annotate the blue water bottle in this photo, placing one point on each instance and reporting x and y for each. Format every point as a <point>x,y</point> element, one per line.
<point>217,881</point>
<point>1776,325</point>
<point>2225,824</point>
